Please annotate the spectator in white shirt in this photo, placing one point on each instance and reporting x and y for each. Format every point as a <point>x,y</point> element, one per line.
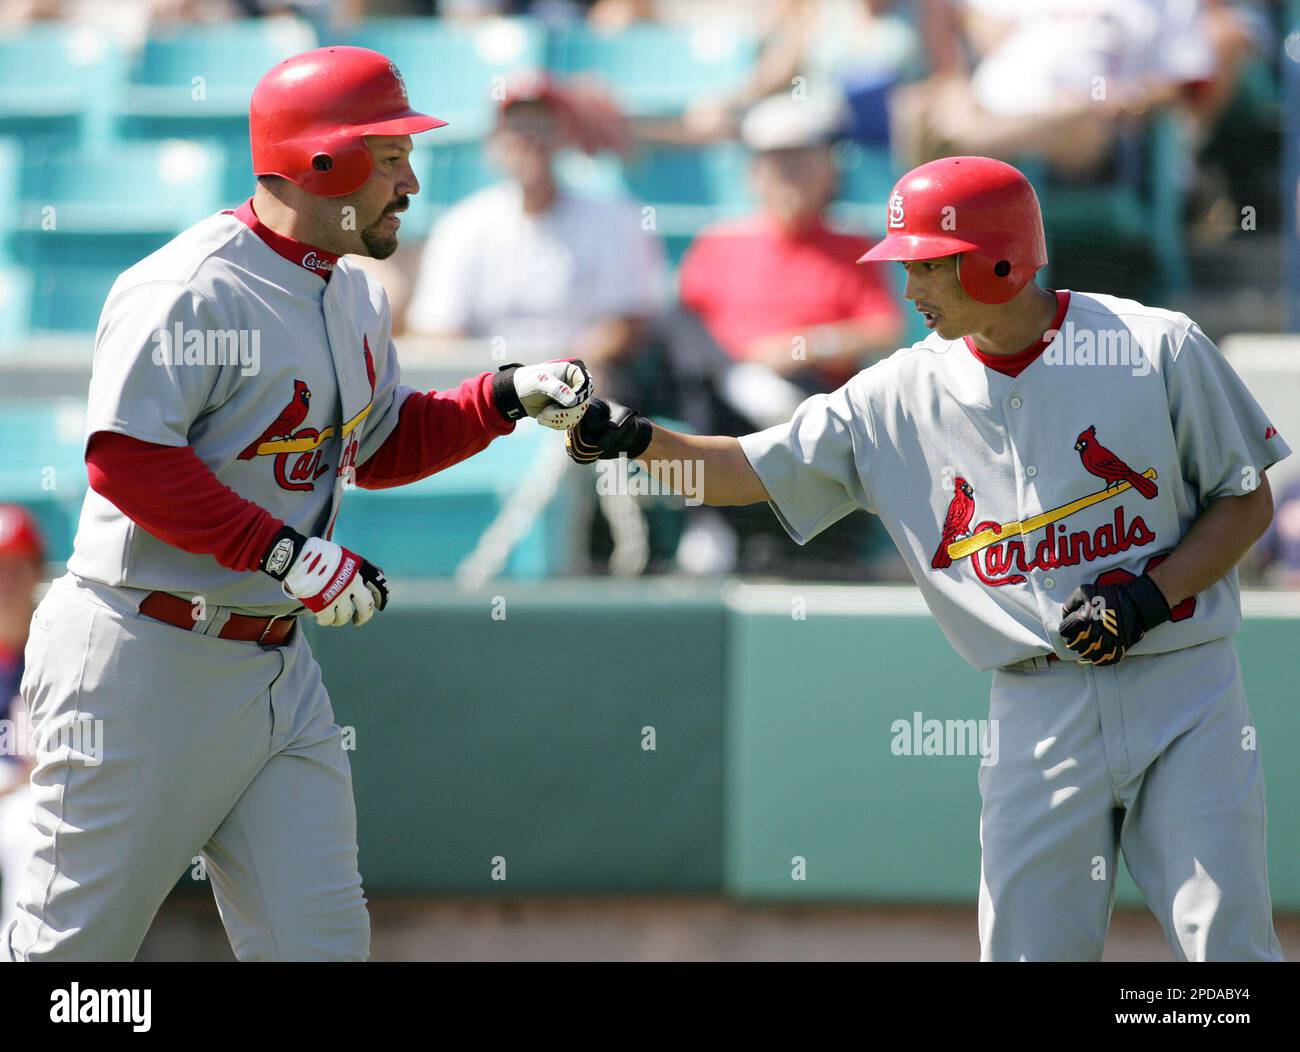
<point>533,265</point>
<point>1052,77</point>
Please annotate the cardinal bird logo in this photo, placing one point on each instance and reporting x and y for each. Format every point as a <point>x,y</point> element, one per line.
<point>957,522</point>
<point>1105,465</point>
<point>291,416</point>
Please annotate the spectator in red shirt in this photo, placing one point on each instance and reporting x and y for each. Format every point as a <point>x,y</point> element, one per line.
<point>783,295</point>
<point>781,288</point>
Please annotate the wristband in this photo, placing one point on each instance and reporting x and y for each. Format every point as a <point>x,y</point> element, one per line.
<point>1150,602</point>
<point>505,395</point>
<point>282,553</point>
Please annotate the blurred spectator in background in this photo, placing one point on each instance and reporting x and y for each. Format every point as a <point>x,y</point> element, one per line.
<point>539,269</point>
<point>780,288</point>
<point>16,13</point>
<point>535,266</point>
<point>785,298</point>
<point>860,48</point>
<point>22,562</point>
<point>1236,31</point>
<point>1053,78</point>
<point>546,10</point>
<point>165,11</point>
<point>613,15</point>
<point>1277,555</point>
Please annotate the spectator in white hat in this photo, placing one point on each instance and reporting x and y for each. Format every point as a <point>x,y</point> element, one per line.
<point>781,288</point>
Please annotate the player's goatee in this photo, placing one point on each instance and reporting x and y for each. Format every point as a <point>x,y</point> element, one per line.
<point>378,245</point>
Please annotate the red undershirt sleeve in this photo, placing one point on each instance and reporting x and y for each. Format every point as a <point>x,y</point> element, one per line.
<point>434,431</point>
<point>170,493</point>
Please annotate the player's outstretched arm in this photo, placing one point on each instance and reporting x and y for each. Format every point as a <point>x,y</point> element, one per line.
<point>609,430</point>
<point>437,429</point>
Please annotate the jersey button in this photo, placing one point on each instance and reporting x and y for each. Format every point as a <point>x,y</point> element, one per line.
<point>1031,471</point>
<point>1016,403</point>
<point>1049,582</point>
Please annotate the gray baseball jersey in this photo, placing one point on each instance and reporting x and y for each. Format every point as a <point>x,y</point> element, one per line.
<point>226,340</point>
<point>279,381</point>
<point>1004,494</point>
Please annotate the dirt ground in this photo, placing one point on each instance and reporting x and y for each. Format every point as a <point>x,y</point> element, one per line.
<point>655,929</point>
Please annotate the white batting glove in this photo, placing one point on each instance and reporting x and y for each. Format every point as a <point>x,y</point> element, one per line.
<point>335,584</point>
<point>554,393</point>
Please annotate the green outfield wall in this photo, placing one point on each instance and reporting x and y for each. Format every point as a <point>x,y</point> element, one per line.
<point>592,736</point>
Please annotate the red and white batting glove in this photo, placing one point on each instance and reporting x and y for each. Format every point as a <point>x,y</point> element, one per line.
<point>555,393</point>
<point>335,584</point>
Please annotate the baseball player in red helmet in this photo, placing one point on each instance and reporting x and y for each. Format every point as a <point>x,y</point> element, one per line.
<point>1071,479</point>
<point>244,378</point>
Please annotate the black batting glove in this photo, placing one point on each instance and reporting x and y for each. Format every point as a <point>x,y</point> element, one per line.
<point>606,431</point>
<point>1102,624</point>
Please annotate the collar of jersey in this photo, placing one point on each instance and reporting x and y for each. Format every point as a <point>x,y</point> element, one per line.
<point>1015,364</point>
<point>317,261</point>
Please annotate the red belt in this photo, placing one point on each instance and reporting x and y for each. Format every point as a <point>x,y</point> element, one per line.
<point>173,610</point>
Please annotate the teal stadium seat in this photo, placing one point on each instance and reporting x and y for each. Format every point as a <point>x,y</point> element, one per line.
<point>689,187</point>
<point>655,69</point>
<point>15,307</point>
<point>454,71</point>
<point>11,175</point>
<point>87,216</point>
<point>43,467</point>
<point>204,72</point>
<point>449,167</point>
<point>866,176</point>
<point>195,83</point>
<point>58,83</point>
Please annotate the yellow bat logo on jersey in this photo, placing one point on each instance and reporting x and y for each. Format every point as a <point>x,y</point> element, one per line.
<point>970,545</point>
<point>310,442</point>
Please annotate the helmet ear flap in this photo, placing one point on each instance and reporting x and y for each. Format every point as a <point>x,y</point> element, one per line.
<point>989,276</point>
<point>338,167</point>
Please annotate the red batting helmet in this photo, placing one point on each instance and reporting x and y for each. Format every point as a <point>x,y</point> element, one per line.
<point>19,534</point>
<point>309,114</point>
<point>976,207</point>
